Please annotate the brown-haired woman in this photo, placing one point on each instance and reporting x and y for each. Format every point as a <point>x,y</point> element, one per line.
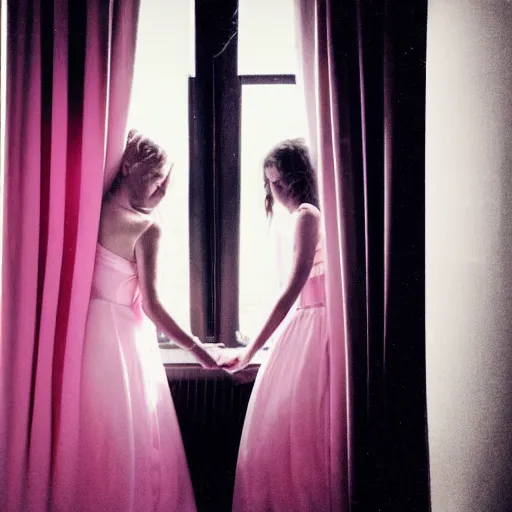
<point>284,450</point>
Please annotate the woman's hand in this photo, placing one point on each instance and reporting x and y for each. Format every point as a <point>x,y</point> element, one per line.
<point>207,357</point>
<point>207,354</point>
<point>234,360</point>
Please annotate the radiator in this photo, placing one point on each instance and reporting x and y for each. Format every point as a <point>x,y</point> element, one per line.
<point>211,409</point>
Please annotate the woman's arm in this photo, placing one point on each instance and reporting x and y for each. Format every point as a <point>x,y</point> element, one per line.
<point>146,253</point>
<point>305,242</point>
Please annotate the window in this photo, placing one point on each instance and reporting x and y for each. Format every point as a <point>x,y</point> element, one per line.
<point>159,108</point>
<point>218,113</point>
<point>269,115</point>
<point>266,37</point>
<point>245,101</point>
<point>270,112</point>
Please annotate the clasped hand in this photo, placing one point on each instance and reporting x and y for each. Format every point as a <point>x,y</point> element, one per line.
<point>229,359</point>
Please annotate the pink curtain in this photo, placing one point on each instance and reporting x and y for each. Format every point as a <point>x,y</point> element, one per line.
<point>316,76</point>
<point>362,68</point>
<point>69,70</point>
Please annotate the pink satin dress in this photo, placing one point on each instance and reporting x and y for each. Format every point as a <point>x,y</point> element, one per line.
<point>131,451</point>
<point>283,460</point>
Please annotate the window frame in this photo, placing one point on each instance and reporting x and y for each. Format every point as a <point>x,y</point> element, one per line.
<point>215,96</point>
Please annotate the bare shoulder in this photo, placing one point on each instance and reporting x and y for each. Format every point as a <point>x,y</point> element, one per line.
<point>308,216</point>
<point>150,236</point>
<point>307,225</point>
<point>153,231</point>
<point>306,208</point>
<point>118,219</point>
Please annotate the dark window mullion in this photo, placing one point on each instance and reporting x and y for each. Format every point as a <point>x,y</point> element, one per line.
<point>227,104</point>
<point>215,123</point>
<point>201,183</point>
<point>200,248</point>
<point>214,172</point>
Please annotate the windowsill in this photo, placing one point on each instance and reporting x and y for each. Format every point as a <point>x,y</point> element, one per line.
<point>182,364</point>
<point>173,355</point>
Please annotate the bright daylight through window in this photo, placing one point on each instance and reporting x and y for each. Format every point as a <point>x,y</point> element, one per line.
<point>270,113</point>
<point>159,108</point>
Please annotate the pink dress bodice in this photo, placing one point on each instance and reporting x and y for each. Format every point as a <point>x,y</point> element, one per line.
<point>115,279</point>
<point>313,292</point>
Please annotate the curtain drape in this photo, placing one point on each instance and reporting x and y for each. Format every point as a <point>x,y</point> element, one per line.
<point>362,68</point>
<point>69,71</point>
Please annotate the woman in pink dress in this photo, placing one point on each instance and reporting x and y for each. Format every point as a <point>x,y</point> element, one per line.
<point>284,451</point>
<point>131,451</point>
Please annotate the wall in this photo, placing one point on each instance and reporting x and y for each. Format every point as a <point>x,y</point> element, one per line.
<point>469,254</point>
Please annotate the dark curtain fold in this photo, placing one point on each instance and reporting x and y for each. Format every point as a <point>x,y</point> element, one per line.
<point>379,52</point>
<point>366,60</point>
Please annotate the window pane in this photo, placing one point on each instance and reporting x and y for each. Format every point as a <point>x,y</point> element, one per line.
<point>270,113</point>
<point>159,108</point>
<point>266,37</point>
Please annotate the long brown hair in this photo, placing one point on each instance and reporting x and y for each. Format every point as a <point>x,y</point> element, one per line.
<point>291,158</point>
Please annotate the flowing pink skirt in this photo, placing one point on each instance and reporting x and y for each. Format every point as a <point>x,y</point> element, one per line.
<point>132,457</point>
<point>283,460</point>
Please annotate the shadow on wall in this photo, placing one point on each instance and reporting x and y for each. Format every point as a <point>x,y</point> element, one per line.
<point>469,254</point>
